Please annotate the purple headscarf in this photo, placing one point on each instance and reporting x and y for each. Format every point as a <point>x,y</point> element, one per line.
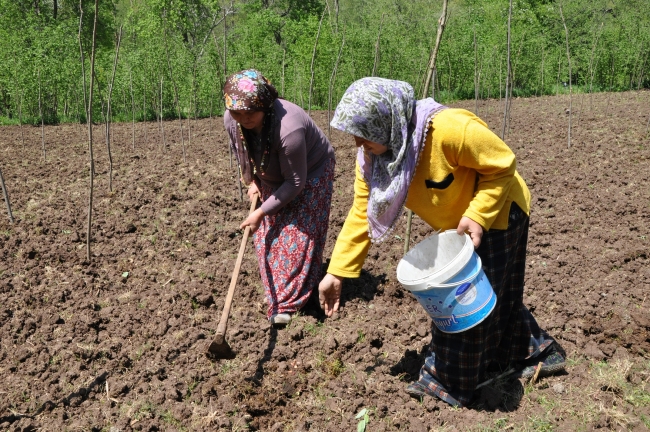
<point>386,112</point>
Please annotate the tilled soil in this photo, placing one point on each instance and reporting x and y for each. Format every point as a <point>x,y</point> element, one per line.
<point>117,342</point>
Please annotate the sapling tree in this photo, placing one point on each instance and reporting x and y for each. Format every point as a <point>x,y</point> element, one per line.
<point>568,56</point>
<point>592,69</point>
<point>176,99</point>
<point>375,64</point>
<point>89,116</point>
<point>508,74</point>
<point>132,109</point>
<point>425,91</point>
<point>40,113</point>
<point>313,59</point>
<point>475,74</point>
<point>332,81</point>
<point>162,125</point>
<point>108,111</point>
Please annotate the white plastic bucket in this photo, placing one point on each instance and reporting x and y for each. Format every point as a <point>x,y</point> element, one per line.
<point>448,281</point>
<point>435,259</point>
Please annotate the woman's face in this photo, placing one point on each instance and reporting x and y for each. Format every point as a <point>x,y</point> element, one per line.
<point>370,146</point>
<point>253,120</point>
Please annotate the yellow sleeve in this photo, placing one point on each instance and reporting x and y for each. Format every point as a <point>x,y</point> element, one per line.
<point>353,242</point>
<point>495,164</point>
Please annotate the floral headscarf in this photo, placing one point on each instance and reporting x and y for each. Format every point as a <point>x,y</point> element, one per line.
<point>386,112</point>
<point>250,90</point>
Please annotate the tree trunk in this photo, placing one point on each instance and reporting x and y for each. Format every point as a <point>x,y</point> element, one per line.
<point>40,113</point>
<point>541,91</point>
<point>176,98</point>
<point>83,67</point>
<point>132,110</point>
<point>557,84</point>
<point>144,109</point>
<point>108,112</point>
<point>591,67</point>
<point>162,125</point>
<point>89,116</point>
<point>20,119</point>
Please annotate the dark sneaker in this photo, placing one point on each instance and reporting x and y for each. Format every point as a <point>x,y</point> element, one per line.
<point>552,359</point>
<point>416,389</point>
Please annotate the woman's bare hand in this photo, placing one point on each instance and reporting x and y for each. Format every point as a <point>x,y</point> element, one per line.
<point>329,293</point>
<point>474,229</point>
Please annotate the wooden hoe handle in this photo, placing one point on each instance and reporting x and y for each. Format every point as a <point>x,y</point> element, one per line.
<point>223,322</point>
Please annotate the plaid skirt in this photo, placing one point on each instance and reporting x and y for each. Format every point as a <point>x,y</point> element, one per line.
<point>456,363</point>
<point>289,244</point>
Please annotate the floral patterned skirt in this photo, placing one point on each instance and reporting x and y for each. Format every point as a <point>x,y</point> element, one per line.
<point>289,244</point>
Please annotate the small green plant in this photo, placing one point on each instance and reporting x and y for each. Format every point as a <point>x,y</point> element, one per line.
<point>312,328</point>
<point>334,367</point>
<point>169,418</point>
<point>191,386</point>
<point>540,424</point>
<point>361,336</point>
<point>364,418</point>
<point>645,420</point>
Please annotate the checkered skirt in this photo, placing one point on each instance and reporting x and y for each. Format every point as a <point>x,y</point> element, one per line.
<point>457,362</point>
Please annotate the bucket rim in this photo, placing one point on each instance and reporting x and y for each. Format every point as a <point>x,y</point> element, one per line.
<point>429,287</point>
<point>423,279</point>
<point>470,278</point>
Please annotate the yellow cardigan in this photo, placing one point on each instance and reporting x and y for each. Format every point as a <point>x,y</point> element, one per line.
<point>485,182</point>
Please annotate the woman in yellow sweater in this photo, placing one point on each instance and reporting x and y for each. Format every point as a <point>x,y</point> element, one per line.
<point>454,173</point>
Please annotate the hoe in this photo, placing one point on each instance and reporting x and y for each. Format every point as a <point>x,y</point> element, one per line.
<point>219,348</point>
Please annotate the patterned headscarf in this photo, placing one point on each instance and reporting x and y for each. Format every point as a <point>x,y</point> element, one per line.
<point>386,112</point>
<point>249,90</point>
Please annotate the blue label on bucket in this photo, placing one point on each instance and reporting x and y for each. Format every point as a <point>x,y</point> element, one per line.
<point>456,307</point>
<point>444,323</point>
<point>466,294</point>
<point>462,289</point>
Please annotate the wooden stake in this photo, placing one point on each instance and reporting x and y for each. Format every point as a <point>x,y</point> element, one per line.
<point>425,90</point>
<point>6,195</point>
<point>539,368</point>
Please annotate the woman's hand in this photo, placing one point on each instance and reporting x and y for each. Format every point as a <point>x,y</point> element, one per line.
<point>329,293</point>
<point>253,220</point>
<point>474,230</point>
<point>252,190</point>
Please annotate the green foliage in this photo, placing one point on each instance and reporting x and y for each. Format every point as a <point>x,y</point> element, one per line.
<point>364,418</point>
<point>175,54</point>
